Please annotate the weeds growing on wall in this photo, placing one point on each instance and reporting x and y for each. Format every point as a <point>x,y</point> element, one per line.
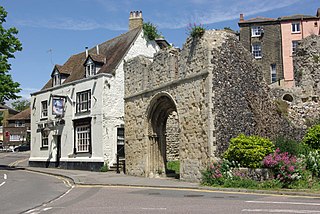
<point>151,31</point>
<point>195,30</point>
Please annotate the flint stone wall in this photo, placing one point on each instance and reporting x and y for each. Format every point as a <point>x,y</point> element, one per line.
<point>218,91</point>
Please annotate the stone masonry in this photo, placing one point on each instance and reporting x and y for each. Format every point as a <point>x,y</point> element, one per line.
<point>217,92</point>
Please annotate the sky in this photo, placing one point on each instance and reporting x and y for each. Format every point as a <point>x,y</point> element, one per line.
<point>53,30</point>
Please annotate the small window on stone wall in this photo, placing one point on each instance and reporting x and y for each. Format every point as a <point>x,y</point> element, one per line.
<point>288,97</point>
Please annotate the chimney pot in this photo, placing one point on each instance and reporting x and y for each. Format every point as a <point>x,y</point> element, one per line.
<point>135,19</point>
<point>97,47</point>
<point>241,17</point>
<point>87,53</point>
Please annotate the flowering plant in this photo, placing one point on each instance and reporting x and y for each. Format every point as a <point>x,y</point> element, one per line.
<point>313,162</point>
<point>195,30</point>
<point>286,168</point>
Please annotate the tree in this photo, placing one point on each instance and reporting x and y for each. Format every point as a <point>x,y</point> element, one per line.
<point>21,105</point>
<point>9,44</point>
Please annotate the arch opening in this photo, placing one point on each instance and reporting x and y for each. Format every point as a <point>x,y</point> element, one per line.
<point>163,137</point>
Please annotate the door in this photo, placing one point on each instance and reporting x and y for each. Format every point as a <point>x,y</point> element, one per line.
<point>58,150</point>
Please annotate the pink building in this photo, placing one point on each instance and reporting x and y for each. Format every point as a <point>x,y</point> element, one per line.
<point>293,29</point>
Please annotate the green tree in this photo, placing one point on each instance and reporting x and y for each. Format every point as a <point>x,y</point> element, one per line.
<point>9,44</point>
<point>21,105</point>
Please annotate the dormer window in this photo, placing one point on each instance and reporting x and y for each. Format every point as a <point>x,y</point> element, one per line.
<point>90,68</point>
<point>56,79</point>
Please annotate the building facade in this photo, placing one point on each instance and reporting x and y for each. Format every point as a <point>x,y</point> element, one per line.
<point>17,129</point>
<point>5,113</point>
<point>77,118</point>
<point>272,43</point>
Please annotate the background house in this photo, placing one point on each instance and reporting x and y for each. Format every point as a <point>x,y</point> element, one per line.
<point>17,129</point>
<point>77,118</point>
<point>5,113</point>
<point>272,43</point>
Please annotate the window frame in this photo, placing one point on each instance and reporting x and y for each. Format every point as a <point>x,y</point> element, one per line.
<point>295,27</point>
<point>256,31</point>
<point>56,79</point>
<point>257,54</point>
<point>19,123</point>
<point>294,45</point>
<point>273,70</point>
<point>44,111</point>
<point>90,68</point>
<point>15,137</point>
<point>44,140</point>
<point>83,106</point>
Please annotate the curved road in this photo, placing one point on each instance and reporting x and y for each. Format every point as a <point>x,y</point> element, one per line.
<point>21,190</point>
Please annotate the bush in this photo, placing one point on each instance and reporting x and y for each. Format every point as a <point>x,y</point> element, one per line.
<point>248,151</point>
<point>151,31</point>
<point>217,172</point>
<point>291,146</point>
<point>104,168</point>
<point>312,137</point>
<point>286,168</point>
<point>195,30</point>
<point>313,162</point>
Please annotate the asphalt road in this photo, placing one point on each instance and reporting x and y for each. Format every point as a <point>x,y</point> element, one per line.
<point>92,199</point>
<point>21,190</point>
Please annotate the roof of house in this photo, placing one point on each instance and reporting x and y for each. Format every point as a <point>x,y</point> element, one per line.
<point>24,115</point>
<point>258,19</point>
<point>11,110</point>
<point>112,51</point>
<point>297,17</point>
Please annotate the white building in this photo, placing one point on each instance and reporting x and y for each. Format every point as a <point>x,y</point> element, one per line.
<point>77,117</point>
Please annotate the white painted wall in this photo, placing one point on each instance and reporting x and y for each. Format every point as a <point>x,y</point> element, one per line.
<point>107,112</point>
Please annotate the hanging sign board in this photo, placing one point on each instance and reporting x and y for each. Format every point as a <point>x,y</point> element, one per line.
<point>58,106</point>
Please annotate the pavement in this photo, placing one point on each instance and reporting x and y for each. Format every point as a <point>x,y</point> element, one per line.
<point>111,178</point>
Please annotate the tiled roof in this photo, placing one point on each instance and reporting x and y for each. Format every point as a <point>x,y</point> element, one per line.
<point>297,17</point>
<point>258,19</point>
<point>98,58</point>
<point>112,50</point>
<point>24,115</point>
<point>11,110</point>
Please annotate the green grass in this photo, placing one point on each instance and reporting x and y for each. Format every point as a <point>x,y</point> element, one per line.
<point>174,166</point>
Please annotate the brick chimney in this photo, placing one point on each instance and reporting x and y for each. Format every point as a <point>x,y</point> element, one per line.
<point>135,19</point>
<point>241,17</point>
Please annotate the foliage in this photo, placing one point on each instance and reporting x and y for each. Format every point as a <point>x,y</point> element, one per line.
<point>248,151</point>
<point>312,137</point>
<point>195,30</point>
<point>313,162</point>
<point>291,146</point>
<point>286,168</point>
<point>21,105</point>
<point>151,31</point>
<point>104,168</point>
<point>9,44</point>
<point>174,166</point>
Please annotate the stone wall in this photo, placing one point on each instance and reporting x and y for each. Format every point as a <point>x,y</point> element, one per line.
<point>218,92</point>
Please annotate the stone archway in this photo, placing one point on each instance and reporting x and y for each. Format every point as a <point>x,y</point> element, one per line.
<point>161,108</point>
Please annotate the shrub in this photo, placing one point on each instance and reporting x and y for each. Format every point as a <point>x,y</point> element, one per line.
<point>312,137</point>
<point>217,172</point>
<point>195,30</point>
<point>248,151</point>
<point>291,146</point>
<point>151,31</point>
<point>286,168</point>
<point>313,162</point>
<point>104,168</point>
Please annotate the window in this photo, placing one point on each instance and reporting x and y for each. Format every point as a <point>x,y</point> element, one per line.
<point>56,80</point>
<point>90,68</point>
<point>83,101</point>
<point>295,27</point>
<point>273,73</point>
<point>294,46</point>
<point>83,138</point>
<point>44,140</point>
<point>256,31</point>
<point>19,123</point>
<point>14,137</point>
<point>44,109</point>
<point>256,50</point>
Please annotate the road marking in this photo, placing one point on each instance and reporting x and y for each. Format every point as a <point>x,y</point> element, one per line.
<point>5,176</point>
<point>153,208</point>
<point>48,208</point>
<point>2,183</point>
<point>15,163</point>
<point>279,211</point>
<point>284,202</point>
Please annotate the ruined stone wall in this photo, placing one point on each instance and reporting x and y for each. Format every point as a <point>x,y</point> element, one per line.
<point>183,77</point>
<point>219,92</point>
<point>172,137</point>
